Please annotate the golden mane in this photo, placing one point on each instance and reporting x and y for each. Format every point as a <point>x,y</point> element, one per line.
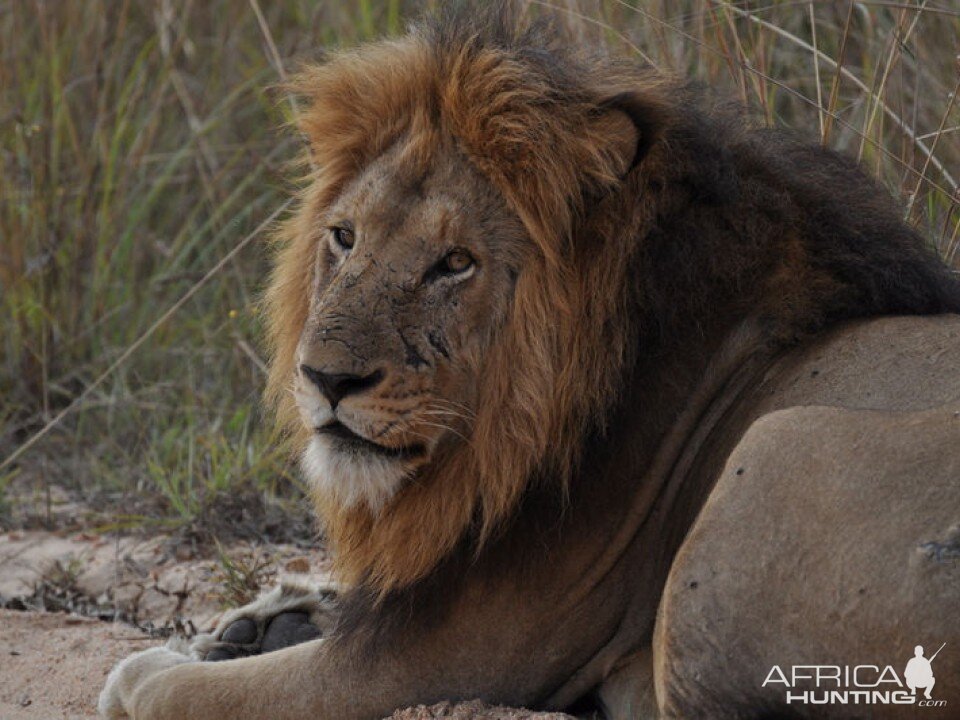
<point>541,135</point>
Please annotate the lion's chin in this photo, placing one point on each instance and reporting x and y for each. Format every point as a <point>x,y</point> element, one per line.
<point>353,478</point>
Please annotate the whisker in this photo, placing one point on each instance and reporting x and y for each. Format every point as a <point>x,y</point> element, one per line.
<point>447,413</point>
<point>452,411</point>
<point>453,404</point>
<point>404,433</point>
<point>448,428</point>
<point>447,418</point>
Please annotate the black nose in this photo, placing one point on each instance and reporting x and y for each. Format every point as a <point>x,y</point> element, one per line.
<point>336,386</point>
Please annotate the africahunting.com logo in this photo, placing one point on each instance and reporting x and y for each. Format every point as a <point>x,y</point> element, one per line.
<point>858,684</point>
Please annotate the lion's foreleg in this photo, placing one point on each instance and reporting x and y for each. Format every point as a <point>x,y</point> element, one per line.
<point>320,680</point>
<point>316,680</point>
<point>485,649</point>
<point>289,683</point>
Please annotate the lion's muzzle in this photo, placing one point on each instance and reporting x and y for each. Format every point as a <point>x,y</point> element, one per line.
<point>336,386</point>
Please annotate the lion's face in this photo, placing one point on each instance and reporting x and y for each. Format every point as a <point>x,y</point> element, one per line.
<point>448,295</point>
<point>413,274</point>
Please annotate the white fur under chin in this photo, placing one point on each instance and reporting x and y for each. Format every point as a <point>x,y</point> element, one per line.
<point>352,478</point>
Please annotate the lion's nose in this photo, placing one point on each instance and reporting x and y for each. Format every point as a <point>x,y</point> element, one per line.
<point>336,386</point>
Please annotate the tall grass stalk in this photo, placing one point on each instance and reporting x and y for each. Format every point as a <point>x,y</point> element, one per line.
<point>140,148</point>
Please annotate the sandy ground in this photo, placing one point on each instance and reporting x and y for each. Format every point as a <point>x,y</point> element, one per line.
<point>52,665</point>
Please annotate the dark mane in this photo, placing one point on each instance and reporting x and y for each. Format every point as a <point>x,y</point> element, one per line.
<point>639,270</point>
<point>752,220</point>
<point>726,184</point>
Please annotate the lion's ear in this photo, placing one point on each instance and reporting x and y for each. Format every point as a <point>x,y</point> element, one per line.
<point>627,125</point>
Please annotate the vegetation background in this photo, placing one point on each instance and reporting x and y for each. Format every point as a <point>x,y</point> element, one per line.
<point>142,148</point>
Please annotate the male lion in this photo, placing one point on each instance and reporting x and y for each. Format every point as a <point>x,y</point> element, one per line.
<point>584,384</point>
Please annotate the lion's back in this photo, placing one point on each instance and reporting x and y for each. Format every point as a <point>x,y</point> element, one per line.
<point>847,482</point>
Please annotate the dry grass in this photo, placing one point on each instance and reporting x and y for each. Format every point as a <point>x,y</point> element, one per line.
<point>242,576</point>
<point>139,145</point>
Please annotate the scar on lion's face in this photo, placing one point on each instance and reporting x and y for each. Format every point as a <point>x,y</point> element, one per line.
<point>413,270</point>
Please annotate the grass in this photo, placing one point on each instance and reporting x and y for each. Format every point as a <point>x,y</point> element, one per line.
<point>240,577</point>
<point>140,142</point>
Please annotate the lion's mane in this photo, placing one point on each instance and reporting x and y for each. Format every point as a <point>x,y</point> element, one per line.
<point>605,279</point>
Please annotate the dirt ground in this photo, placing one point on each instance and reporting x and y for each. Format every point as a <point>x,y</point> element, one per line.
<point>53,664</point>
<point>155,582</point>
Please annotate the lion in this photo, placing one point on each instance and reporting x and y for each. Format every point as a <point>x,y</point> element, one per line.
<point>606,396</point>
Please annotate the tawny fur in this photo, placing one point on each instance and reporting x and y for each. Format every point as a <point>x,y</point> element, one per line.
<point>539,132</point>
<point>648,255</point>
<point>360,102</point>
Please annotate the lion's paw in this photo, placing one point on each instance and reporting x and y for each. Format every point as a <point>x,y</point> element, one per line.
<point>133,671</point>
<point>290,614</point>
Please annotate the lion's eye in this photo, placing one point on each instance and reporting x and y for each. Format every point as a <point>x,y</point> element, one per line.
<point>457,261</point>
<point>342,237</point>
